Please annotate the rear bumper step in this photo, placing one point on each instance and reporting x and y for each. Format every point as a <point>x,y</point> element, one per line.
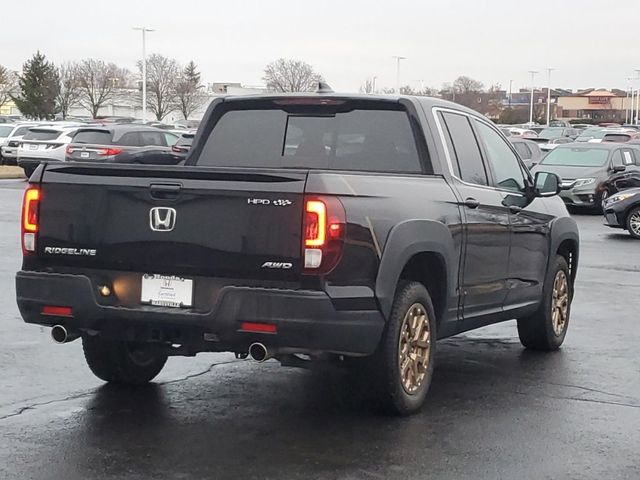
<point>306,321</point>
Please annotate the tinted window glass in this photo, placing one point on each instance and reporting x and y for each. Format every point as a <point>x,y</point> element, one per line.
<point>505,164</point>
<point>129,139</point>
<point>523,150</point>
<point>21,131</point>
<point>98,137</point>
<point>467,152</point>
<point>452,151</point>
<point>369,140</point>
<point>148,139</point>
<point>39,134</point>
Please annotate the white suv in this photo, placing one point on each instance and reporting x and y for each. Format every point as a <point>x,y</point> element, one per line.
<point>9,147</point>
<point>44,143</point>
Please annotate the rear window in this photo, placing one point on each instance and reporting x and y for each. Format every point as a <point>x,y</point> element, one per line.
<point>41,134</point>
<point>367,140</point>
<point>21,131</point>
<point>97,137</point>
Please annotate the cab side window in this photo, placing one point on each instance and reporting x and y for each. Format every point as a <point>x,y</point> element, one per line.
<point>506,167</point>
<point>466,154</point>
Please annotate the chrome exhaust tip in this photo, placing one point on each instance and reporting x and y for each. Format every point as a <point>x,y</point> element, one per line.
<point>60,335</point>
<point>259,353</point>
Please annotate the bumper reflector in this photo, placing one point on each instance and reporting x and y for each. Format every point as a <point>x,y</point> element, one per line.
<point>258,327</point>
<point>57,311</point>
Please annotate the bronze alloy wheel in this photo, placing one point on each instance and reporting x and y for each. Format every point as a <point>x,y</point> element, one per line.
<point>560,302</point>
<point>634,222</point>
<point>413,348</point>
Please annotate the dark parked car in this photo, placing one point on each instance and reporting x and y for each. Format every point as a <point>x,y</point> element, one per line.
<point>352,228</point>
<point>622,210</point>
<point>585,170</point>
<point>117,142</point>
<point>625,173</point>
<point>529,151</point>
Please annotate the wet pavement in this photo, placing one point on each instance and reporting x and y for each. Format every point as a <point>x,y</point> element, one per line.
<point>494,410</point>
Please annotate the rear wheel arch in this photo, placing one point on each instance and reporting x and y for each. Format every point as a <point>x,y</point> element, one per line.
<point>413,249</point>
<point>565,241</point>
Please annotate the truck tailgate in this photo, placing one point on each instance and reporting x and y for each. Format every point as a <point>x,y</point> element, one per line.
<point>221,222</point>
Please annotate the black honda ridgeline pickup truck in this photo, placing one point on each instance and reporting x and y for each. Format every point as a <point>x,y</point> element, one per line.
<point>352,228</point>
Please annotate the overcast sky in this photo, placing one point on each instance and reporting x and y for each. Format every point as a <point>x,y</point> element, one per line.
<point>590,43</point>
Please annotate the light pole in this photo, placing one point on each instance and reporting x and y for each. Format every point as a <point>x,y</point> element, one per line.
<point>549,70</point>
<point>373,86</point>
<point>398,60</point>
<point>637,70</point>
<point>510,91</point>
<point>144,31</point>
<point>632,104</point>
<point>533,74</point>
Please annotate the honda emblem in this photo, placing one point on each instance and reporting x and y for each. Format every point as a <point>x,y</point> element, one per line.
<point>162,219</point>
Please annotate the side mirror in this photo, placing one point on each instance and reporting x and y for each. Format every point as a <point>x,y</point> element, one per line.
<point>619,168</point>
<point>547,184</point>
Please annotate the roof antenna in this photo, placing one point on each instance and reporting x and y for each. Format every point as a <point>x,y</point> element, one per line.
<point>324,87</point>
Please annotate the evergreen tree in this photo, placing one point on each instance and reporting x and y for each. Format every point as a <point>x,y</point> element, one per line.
<point>38,88</point>
<point>191,73</point>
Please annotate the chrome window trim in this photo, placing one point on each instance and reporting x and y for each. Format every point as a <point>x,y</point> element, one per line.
<point>447,154</point>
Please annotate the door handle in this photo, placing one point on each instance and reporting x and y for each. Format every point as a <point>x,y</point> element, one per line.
<point>515,209</point>
<point>471,203</point>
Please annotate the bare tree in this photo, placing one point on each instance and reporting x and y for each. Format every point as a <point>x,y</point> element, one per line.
<point>367,87</point>
<point>464,84</point>
<point>286,75</point>
<point>8,84</point>
<point>162,74</point>
<point>70,93</point>
<point>98,83</point>
<point>188,91</point>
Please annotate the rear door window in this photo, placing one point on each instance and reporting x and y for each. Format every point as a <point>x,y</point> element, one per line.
<point>466,149</point>
<point>95,137</point>
<point>360,139</point>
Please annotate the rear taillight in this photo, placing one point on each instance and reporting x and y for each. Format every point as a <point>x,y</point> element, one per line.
<point>323,234</point>
<point>30,211</point>
<point>178,149</point>
<point>70,150</point>
<point>108,152</point>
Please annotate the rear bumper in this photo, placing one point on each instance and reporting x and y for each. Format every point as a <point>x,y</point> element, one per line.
<point>306,321</point>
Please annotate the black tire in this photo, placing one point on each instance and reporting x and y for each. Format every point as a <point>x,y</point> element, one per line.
<point>123,362</point>
<point>28,171</point>
<point>603,196</point>
<point>543,330</point>
<point>632,217</point>
<point>383,369</point>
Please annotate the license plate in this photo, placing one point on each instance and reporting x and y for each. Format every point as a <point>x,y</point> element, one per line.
<point>84,154</point>
<point>166,291</point>
<point>33,147</point>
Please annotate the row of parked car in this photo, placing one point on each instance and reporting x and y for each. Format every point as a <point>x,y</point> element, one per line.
<point>599,166</point>
<point>28,144</point>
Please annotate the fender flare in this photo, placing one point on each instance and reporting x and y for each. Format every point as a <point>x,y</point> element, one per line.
<point>565,228</point>
<point>403,242</point>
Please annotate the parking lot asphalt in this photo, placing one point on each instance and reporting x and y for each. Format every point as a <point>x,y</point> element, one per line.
<point>494,410</point>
